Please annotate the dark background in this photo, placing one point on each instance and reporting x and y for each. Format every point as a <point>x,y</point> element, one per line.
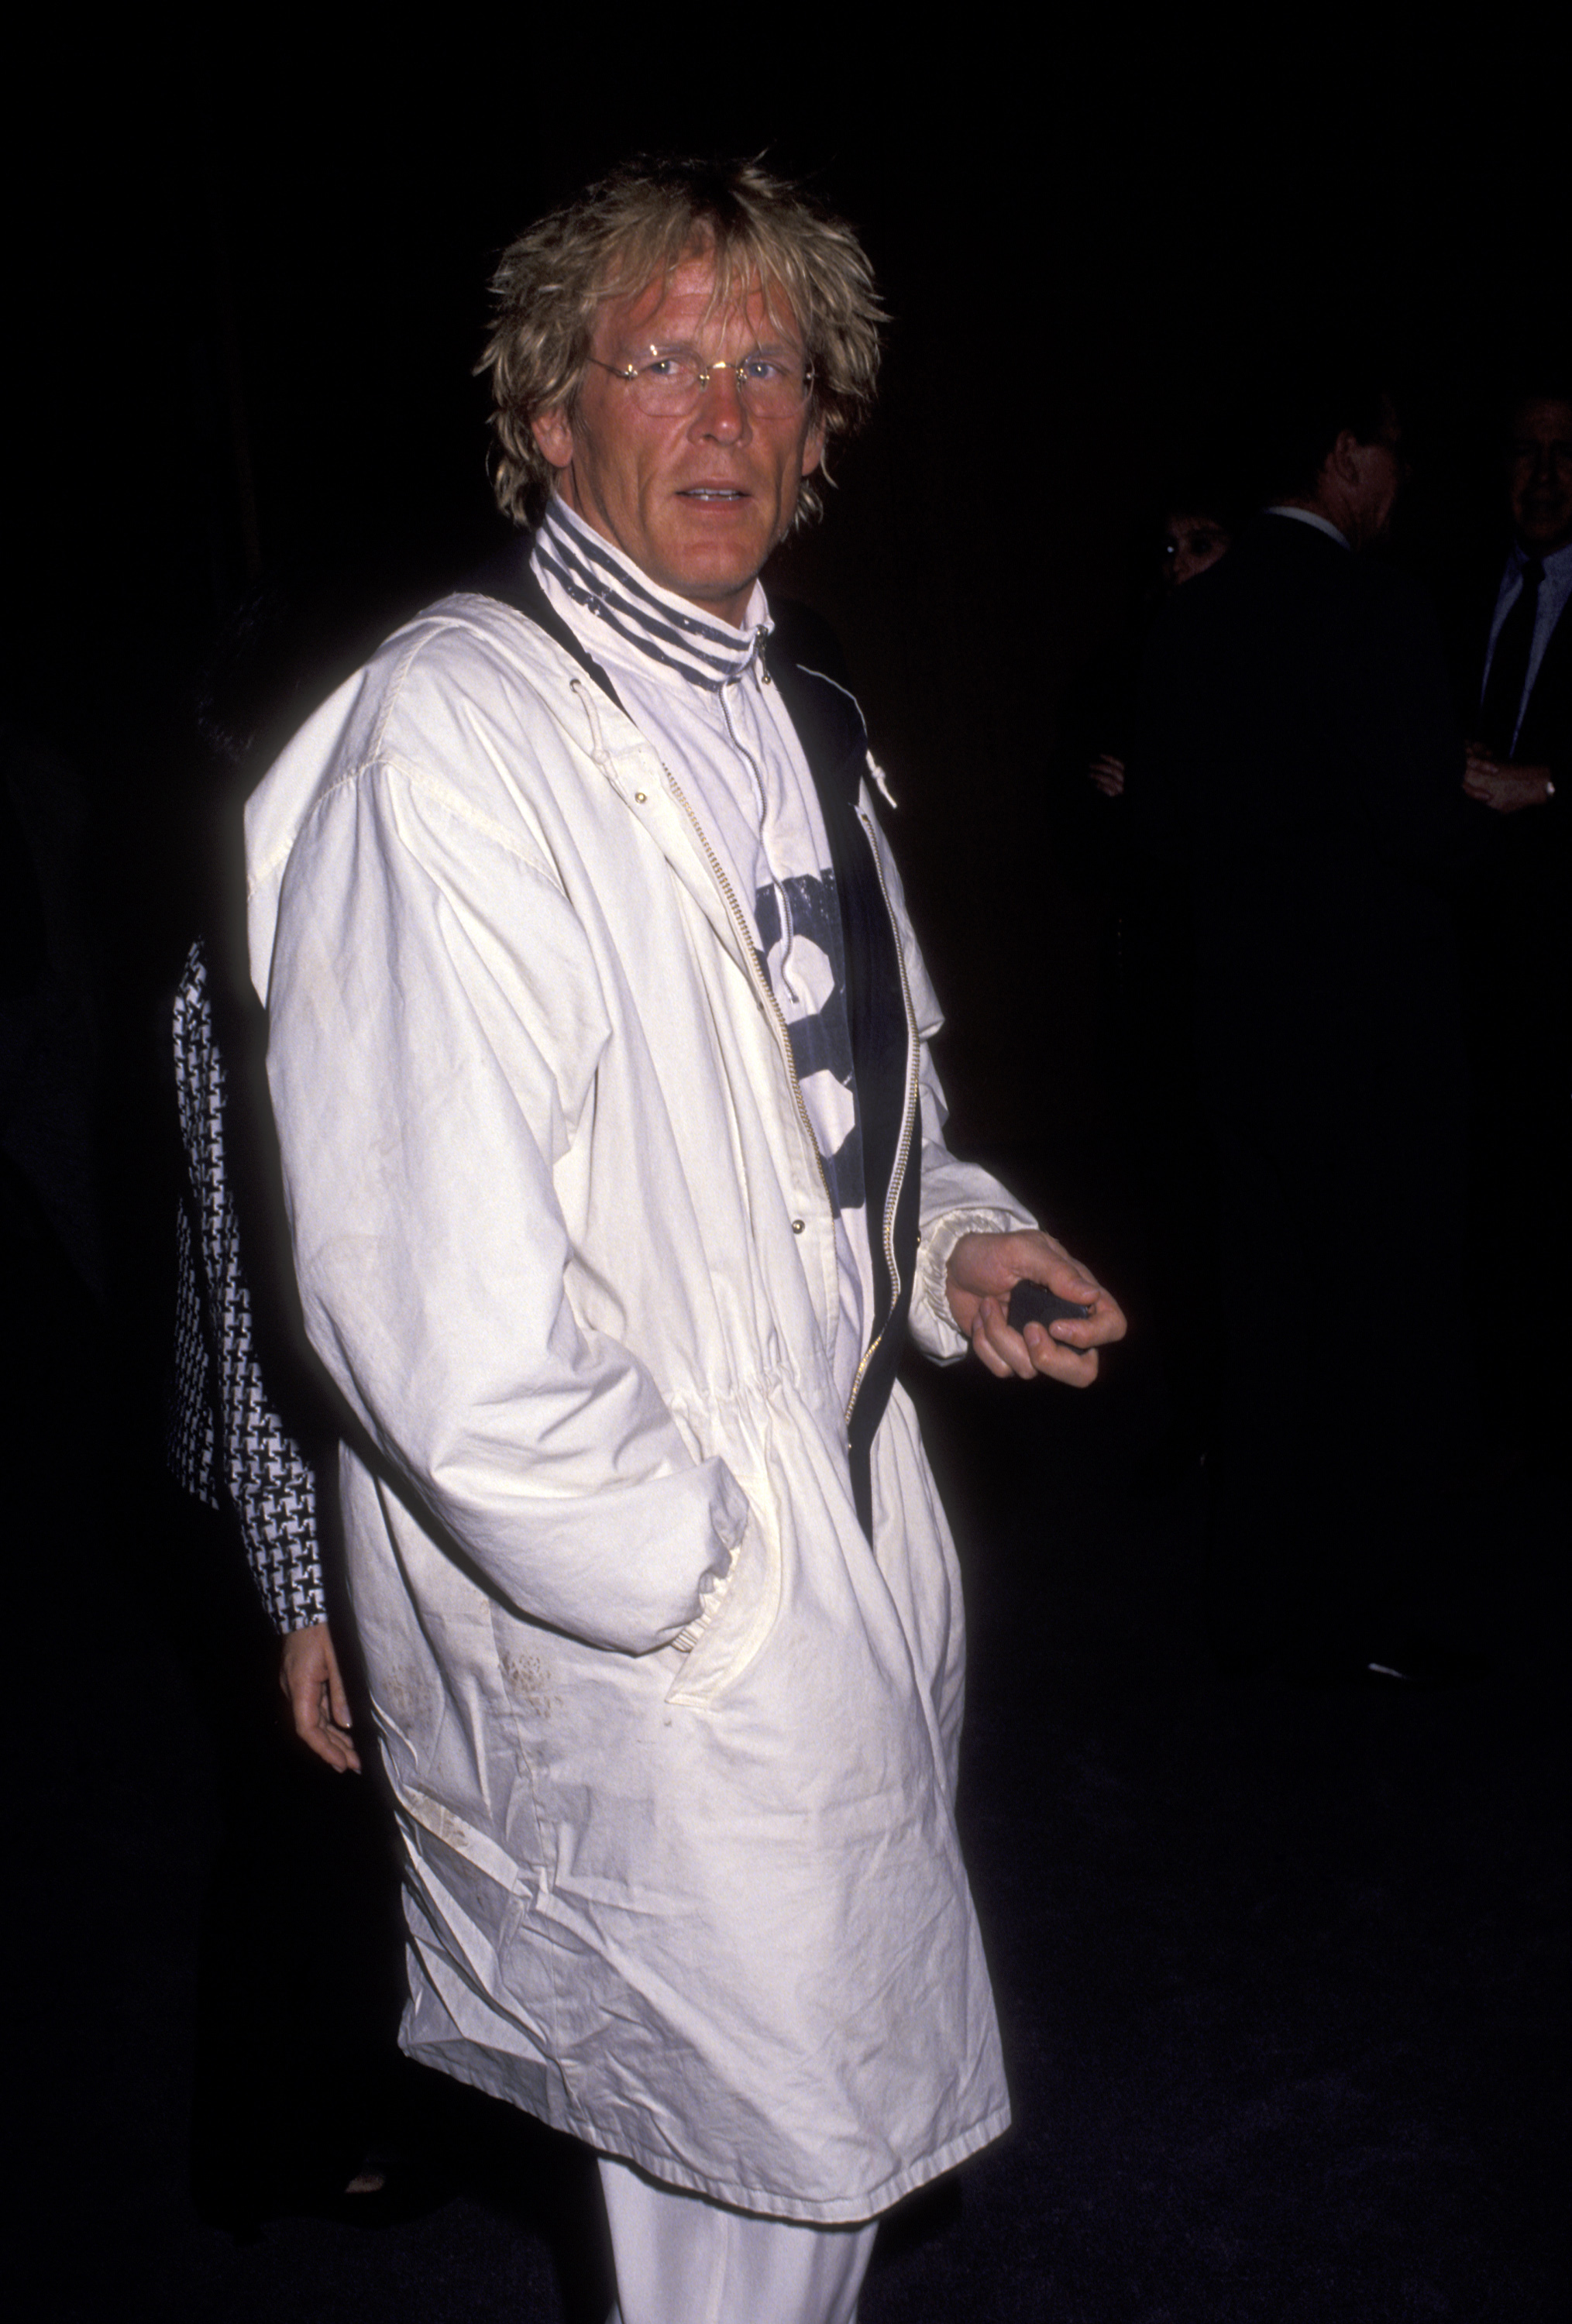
<point>257,284</point>
<point>1275,1976</point>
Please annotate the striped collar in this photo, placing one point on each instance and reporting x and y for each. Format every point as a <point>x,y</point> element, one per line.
<point>597,577</point>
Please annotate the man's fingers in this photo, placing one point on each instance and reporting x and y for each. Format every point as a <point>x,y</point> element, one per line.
<point>1004,1352</point>
<point>1040,1351</point>
<point>994,1339</point>
<point>1100,1329</point>
<point>1104,1324</point>
<point>984,1349</point>
<point>987,1268</point>
<point>1060,1359</point>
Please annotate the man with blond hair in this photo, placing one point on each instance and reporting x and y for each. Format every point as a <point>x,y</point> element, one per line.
<point>616,1166</point>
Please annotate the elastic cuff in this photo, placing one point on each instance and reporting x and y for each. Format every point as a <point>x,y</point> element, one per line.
<point>934,1256</point>
<point>712,1592</point>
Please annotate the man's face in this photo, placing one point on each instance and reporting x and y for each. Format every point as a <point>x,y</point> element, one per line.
<point>699,501</point>
<point>1539,473</point>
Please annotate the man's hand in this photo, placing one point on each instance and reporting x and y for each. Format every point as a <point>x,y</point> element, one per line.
<point>1108,774</point>
<point>985,1269</point>
<point>1501,784</point>
<point>309,1678</point>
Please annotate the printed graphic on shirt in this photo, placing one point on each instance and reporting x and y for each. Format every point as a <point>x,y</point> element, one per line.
<point>803,952</point>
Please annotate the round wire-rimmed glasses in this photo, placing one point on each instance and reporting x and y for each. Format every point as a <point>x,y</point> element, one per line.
<point>671,382</point>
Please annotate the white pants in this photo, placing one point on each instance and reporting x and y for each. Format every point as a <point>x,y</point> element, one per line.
<point>680,2260</point>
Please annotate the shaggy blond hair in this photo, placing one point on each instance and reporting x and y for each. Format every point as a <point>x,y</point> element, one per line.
<point>634,229</point>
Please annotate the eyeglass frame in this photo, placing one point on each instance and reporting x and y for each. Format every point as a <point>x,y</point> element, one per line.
<point>632,376</point>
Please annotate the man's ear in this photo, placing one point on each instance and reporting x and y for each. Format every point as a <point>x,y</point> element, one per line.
<point>812,450</point>
<point>1344,458</point>
<point>553,432</point>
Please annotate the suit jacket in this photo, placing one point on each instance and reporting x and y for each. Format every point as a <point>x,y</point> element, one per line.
<point>1545,735</point>
<point>1523,857</point>
<point>1297,753</point>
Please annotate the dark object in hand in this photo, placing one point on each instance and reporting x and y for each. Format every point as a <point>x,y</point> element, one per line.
<point>1034,1303</point>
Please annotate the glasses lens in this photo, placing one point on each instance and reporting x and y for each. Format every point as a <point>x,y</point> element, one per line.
<point>773,390</point>
<point>670,387</point>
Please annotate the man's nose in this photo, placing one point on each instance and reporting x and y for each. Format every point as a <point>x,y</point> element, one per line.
<point>722,413</point>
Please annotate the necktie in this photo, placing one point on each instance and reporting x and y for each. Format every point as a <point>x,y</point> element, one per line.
<point>1508,666</point>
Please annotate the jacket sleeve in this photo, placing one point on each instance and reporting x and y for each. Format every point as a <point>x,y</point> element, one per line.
<point>436,1020</point>
<point>957,1197</point>
<point>268,1478</point>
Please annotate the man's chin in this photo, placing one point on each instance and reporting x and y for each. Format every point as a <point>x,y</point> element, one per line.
<point>1544,539</point>
<point>712,583</point>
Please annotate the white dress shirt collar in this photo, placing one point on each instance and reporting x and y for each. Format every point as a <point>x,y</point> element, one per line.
<point>1309,516</point>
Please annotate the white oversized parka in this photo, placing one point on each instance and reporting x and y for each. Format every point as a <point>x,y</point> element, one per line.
<point>672,1745</point>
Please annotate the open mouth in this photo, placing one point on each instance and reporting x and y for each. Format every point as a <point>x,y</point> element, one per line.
<point>710,493</point>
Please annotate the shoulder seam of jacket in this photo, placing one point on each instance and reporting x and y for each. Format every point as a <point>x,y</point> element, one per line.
<point>385,764</point>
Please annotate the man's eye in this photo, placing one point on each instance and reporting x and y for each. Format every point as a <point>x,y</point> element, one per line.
<point>761,369</point>
<point>661,367</point>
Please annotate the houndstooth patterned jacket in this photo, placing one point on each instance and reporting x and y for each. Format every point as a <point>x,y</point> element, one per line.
<point>225,1441</point>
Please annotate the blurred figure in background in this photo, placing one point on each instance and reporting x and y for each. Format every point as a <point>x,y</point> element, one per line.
<point>1520,720</point>
<point>1513,667</point>
<point>1295,757</point>
<point>1199,526</point>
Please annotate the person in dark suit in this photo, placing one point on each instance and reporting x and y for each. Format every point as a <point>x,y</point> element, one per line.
<point>1296,754</point>
<point>1520,716</point>
<point>1514,668</point>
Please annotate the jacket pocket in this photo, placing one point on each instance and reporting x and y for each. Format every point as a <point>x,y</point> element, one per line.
<point>732,1631</point>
